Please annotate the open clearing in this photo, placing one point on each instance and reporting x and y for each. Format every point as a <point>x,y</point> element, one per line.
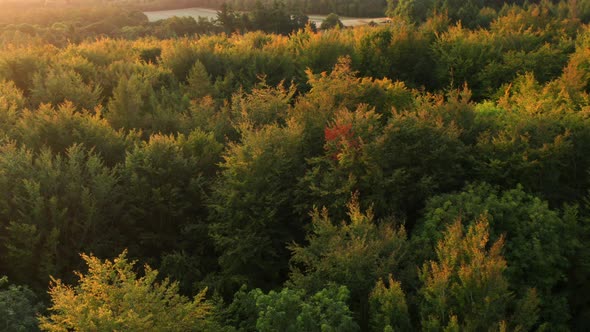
<point>212,14</point>
<point>193,12</point>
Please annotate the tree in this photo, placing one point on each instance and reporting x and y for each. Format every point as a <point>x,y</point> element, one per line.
<point>19,308</point>
<point>538,239</point>
<point>141,102</point>
<point>61,127</point>
<point>292,310</point>
<point>579,272</point>
<point>12,102</point>
<point>180,58</point>
<point>356,254</point>
<point>111,297</point>
<point>132,103</point>
<point>395,166</point>
<point>198,82</point>
<point>54,206</point>
<point>536,243</point>
<point>412,10</point>
<point>341,92</point>
<point>20,66</point>
<point>399,52</point>
<point>464,11</point>
<point>228,18</point>
<point>331,21</point>
<point>275,17</point>
<point>325,311</point>
<point>347,165</point>
<point>264,105</point>
<point>388,308</point>
<point>166,181</point>
<point>62,84</point>
<point>252,217</point>
<point>465,287</point>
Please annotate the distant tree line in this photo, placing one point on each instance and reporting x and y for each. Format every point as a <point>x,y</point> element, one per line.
<point>353,8</point>
<point>62,26</point>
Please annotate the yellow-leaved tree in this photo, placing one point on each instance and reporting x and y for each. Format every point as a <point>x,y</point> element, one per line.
<point>111,297</point>
<point>465,288</point>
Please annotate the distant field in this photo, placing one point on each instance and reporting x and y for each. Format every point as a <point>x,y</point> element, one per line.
<point>193,12</point>
<point>212,14</point>
<point>348,21</point>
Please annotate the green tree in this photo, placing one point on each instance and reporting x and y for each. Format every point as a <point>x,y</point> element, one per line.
<point>139,103</point>
<point>535,246</point>
<point>228,18</point>
<point>413,10</point>
<point>275,17</point>
<point>54,206</point>
<point>347,164</point>
<point>388,308</point>
<point>132,103</point>
<point>252,217</point>
<point>242,312</point>
<point>179,57</point>
<point>19,308</point>
<point>464,11</point>
<point>61,84</point>
<point>399,52</point>
<point>331,21</point>
<point>20,66</point>
<point>418,155</point>
<point>356,254</point>
<point>111,296</point>
<point>538,240</point>
<point>292,310</point>
<point>395,166</point>
<point>579,272</point>
<point>61,127</point>
<point>324,311</point>
<point>198,82</point>
<point>536,139</point>
<point>166,181</point>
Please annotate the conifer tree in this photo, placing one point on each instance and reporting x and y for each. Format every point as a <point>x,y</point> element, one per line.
<point>133,103</point>
<point>62,84</point>
<point>252,217</point>
<point>198,83</point>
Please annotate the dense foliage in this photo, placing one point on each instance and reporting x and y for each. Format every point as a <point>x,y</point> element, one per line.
<point>426,174</point>
<point>112,298</point>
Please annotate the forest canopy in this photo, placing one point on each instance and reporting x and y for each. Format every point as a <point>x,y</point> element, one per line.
<point>256,173</point>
